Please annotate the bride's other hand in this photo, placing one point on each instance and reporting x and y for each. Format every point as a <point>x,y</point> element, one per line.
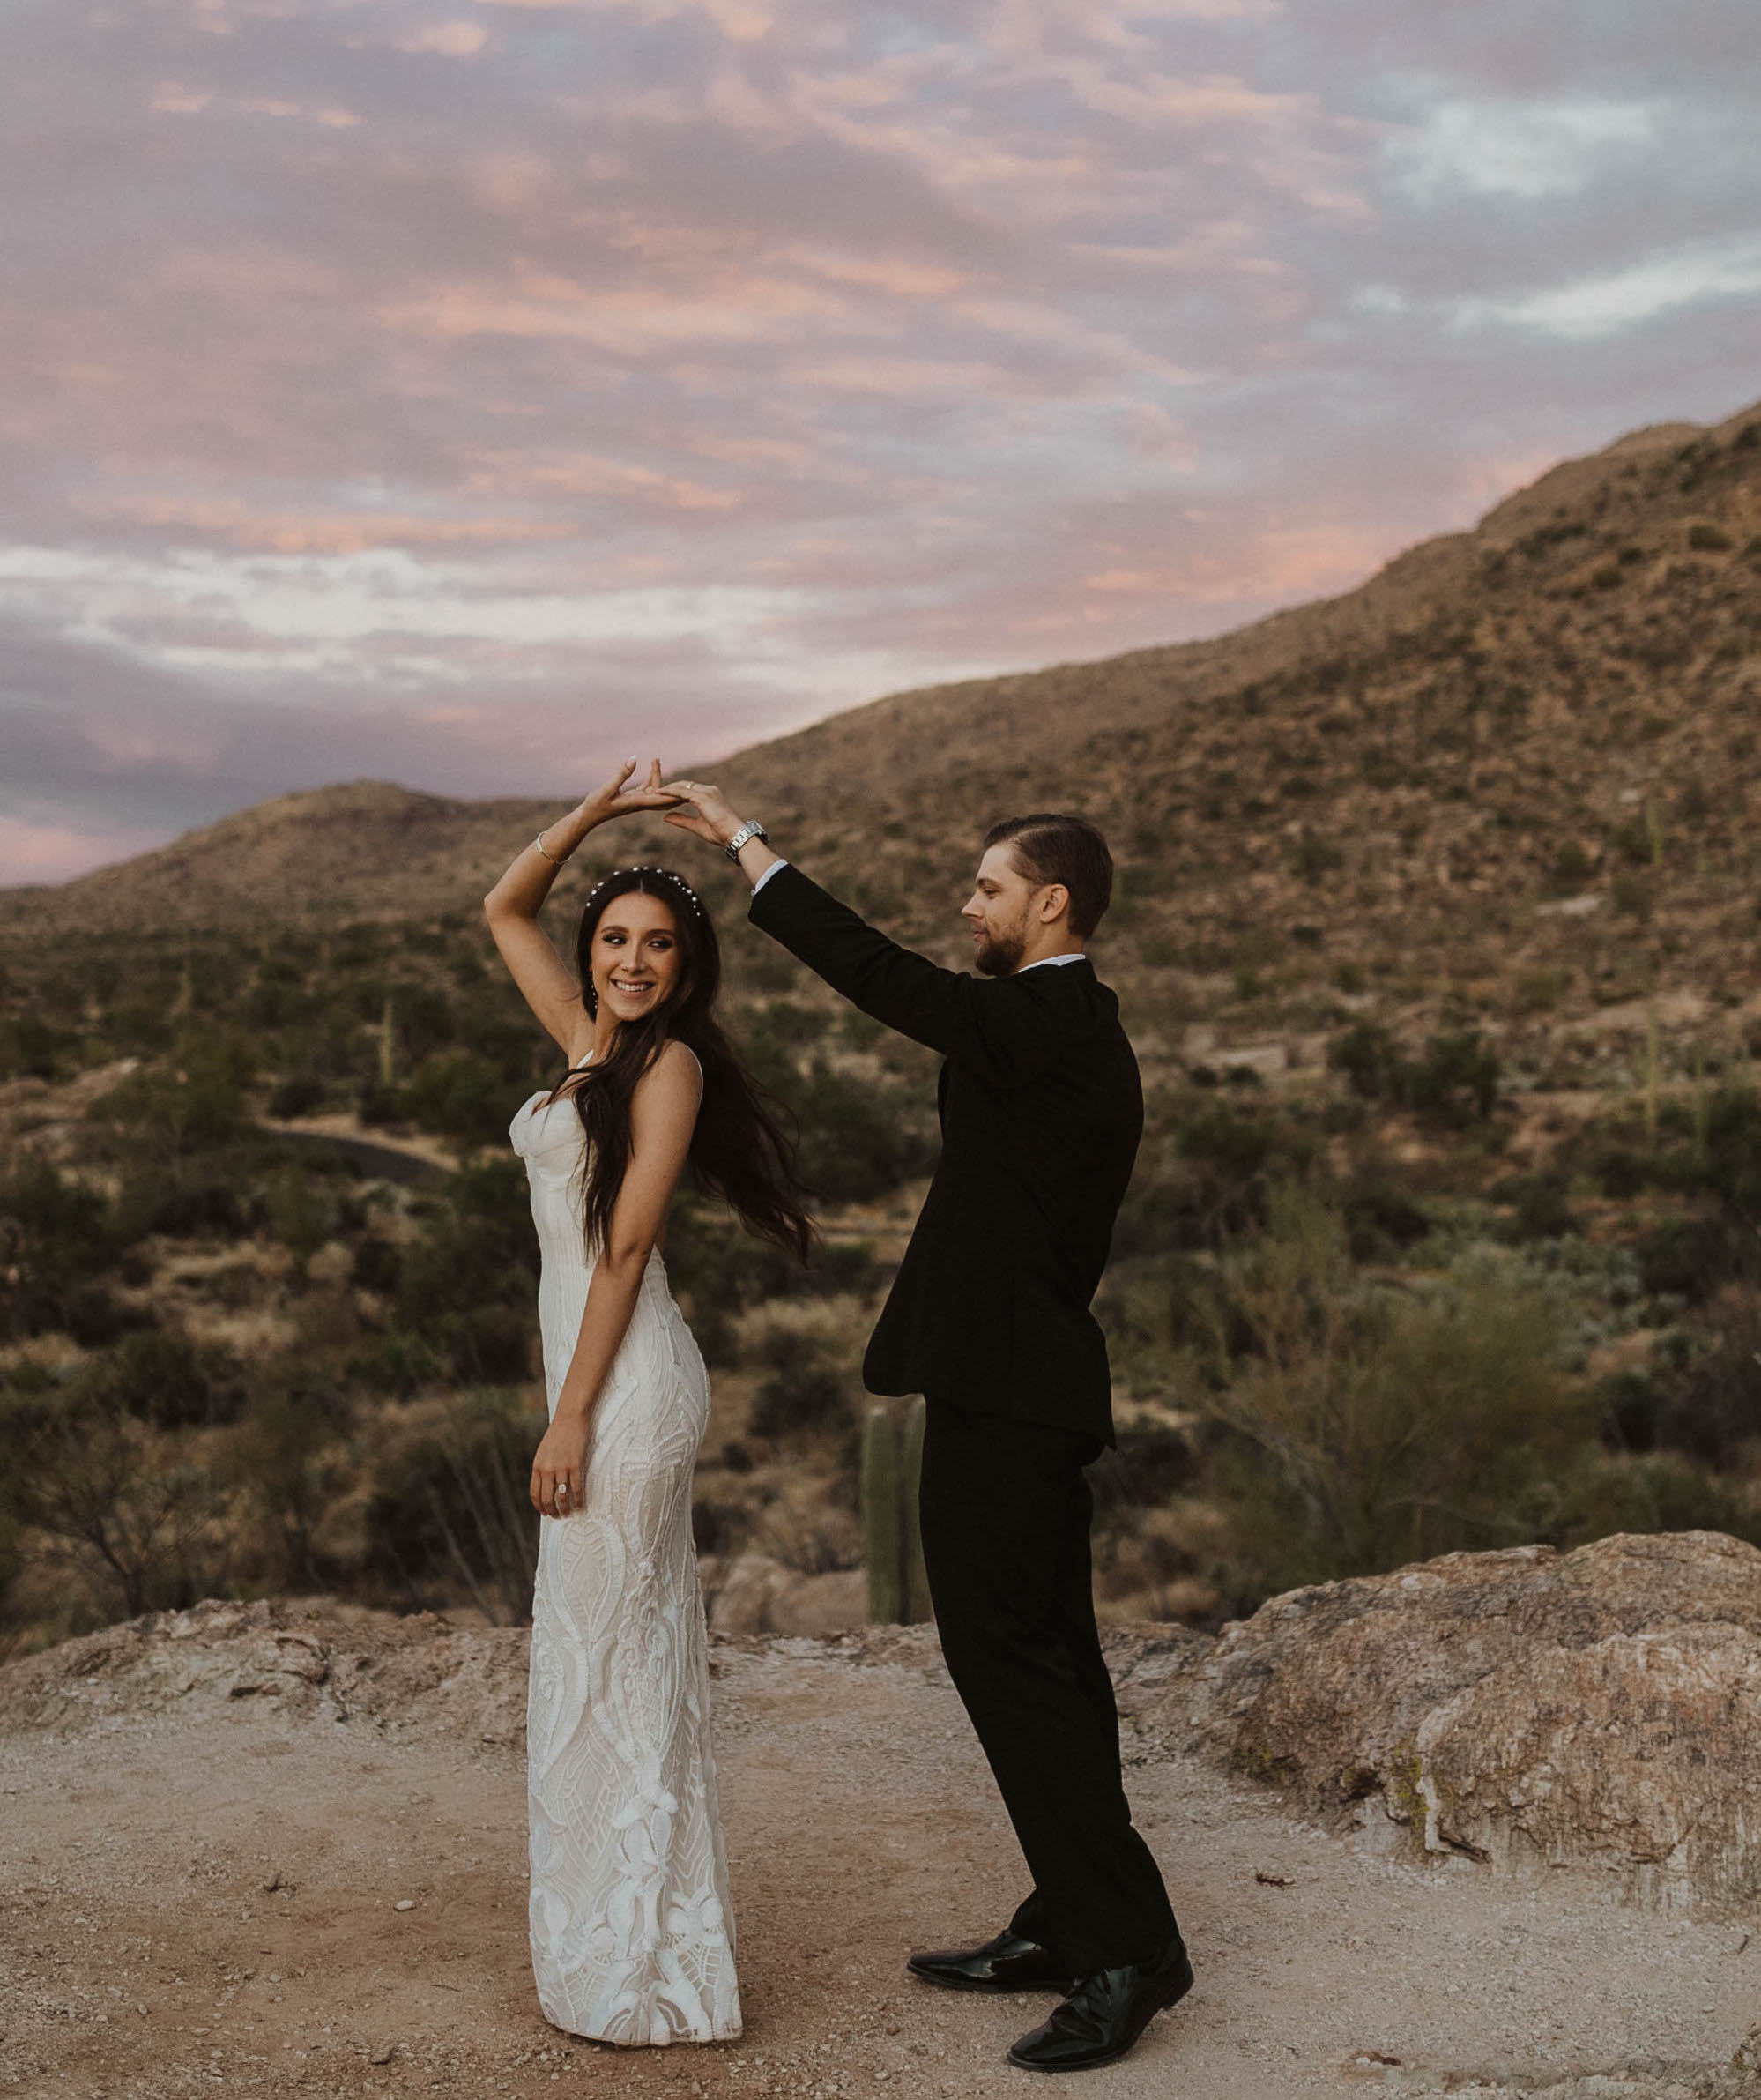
<point>560,1470</point>
<point>703,809</point>
<point>618,798</point>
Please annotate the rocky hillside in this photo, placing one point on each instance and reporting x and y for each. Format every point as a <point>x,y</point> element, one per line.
<point>1514,767</point>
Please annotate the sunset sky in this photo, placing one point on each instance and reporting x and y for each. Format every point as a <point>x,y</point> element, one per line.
<point>469,394</point>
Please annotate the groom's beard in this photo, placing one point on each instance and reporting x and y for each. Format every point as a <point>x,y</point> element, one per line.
<point>998,955</point>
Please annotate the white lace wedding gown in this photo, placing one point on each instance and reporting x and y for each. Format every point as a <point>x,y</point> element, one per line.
<point>632,1935</point>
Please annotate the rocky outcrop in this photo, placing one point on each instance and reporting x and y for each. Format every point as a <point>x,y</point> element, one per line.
<point>1521,1710</point>
<point>754,1594</point>
<point>304,1659</point>
<point>1508,1712</point>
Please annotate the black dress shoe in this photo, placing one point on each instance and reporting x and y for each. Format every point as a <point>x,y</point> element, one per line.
<point>1008,1963</point>
<point>1105,2014</point>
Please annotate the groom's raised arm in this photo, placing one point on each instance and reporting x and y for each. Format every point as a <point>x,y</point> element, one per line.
<point>1007,1027</point>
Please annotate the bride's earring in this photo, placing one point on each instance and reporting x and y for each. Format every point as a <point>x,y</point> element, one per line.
<point>591,996</point>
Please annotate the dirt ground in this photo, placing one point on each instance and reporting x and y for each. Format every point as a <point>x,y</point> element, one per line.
<point>208,1889</point>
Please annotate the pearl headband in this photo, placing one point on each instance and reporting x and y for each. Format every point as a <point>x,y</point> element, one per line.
<point>643,867</point>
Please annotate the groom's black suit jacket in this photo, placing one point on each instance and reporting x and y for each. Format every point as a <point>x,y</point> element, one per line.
<point>1041,1113</point>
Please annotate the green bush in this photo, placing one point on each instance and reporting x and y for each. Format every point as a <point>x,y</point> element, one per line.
<point>1355,1430</point>
<point>168,1380</point>
<point>1573,867</point>
<point>127,1508</point>
<point>858,1139</point>
<point>1453,1084</point>
<point>453,1511</point>
<point>459,1095</point>
<point>193,1101</point>
<point>290,1457</point>
<point>1709,539</point>
<point>56,1237</point>
<point>804,1389</point>
<point>33,1048</point>
<point>1688,1257</point>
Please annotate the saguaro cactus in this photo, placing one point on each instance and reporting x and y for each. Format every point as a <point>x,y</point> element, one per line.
<point>883,1536</point>
<point>917,1582</point>
<point>892,1458</point>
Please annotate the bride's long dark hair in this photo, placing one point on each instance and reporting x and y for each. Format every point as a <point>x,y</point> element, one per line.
<point>738,1150</point>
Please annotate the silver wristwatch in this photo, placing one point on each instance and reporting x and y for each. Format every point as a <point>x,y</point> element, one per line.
<point>746,831</point>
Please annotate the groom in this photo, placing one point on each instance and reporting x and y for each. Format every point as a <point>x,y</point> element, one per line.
<point>1041,1113</point>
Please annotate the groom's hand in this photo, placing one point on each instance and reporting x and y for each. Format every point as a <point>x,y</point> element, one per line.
<point>703,809</point>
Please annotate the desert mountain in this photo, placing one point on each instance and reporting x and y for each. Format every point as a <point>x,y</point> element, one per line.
<point>1525,747</point>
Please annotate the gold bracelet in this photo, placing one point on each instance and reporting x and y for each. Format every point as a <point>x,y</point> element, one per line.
<point>552,858</point>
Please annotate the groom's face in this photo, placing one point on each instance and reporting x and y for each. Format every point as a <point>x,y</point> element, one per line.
<point>997,913</point>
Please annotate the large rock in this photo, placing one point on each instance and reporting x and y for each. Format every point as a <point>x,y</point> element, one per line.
<point>754,1594</point>
<point>1522,1709</point>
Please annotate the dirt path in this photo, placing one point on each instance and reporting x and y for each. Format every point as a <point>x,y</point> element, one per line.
<point>200,1895</point>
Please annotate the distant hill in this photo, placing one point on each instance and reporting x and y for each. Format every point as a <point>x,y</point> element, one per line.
<point>1522,752</point>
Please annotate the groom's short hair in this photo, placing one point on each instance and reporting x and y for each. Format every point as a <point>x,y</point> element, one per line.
<point>1048,848</point>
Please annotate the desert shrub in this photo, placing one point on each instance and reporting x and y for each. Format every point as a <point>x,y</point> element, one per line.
<point>806,1389</point>
<point>1381,1222</point>
<point>1631,1406</point>
<point>298,1094</point>
<point>720,1269</point>
<point>1541,991</point>
<point>1314,857</point>
<point>857,1139</point>
<point>1634,895</point>
<point>198,1198</point>
<point>1709,539</point>
<point>1143,1471</point>
<point>163,1378</point>
<point>796,1024</point>
<point>466,1287</point>
<point>1454,1082</point>
<point>289,1458</point>
<point>127,1508</point>
<point>460,1095</point>
<point>1573,865</point>
<point>720,1527</point>
<point>1731,1149</point>
<point>56,1236</point>
<point>192,1101</point>
<point>1205,1178</point>
<point>398,1363</point>
<point>1658,1491</point>
<point>1356,1429</point>
<point>452,1511</point>
<point>1708,1405</point>
<point>377,1264</point>
<point>1541,1206</point>
<point>300,1210</point>
<point>1368,1058</point>
<point>1688,1257</point>
<point>32,1047</point>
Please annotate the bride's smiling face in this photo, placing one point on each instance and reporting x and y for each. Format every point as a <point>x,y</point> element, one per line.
<point>635,955</point>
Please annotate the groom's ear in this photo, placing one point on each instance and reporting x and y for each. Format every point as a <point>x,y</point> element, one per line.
<point>1054,903</point>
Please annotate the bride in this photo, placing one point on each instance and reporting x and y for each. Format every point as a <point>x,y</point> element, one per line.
<point>632,1936</point>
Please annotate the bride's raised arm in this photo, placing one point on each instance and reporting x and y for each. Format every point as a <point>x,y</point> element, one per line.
<point>547,983</point>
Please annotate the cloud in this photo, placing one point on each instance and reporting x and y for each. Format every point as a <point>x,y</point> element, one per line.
<point>1521,150</point>
<point>1590,308</point>
<point>377,380</point>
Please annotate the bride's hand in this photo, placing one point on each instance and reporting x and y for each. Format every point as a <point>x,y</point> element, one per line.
<point>616,798</point>
<point>560,1470</point>
<point>705,810</point>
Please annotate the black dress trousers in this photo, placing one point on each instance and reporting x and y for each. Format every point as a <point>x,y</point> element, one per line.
<point>1006,1515</point>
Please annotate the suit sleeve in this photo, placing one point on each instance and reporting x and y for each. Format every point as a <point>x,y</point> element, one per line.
<point>1003,1028</point>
